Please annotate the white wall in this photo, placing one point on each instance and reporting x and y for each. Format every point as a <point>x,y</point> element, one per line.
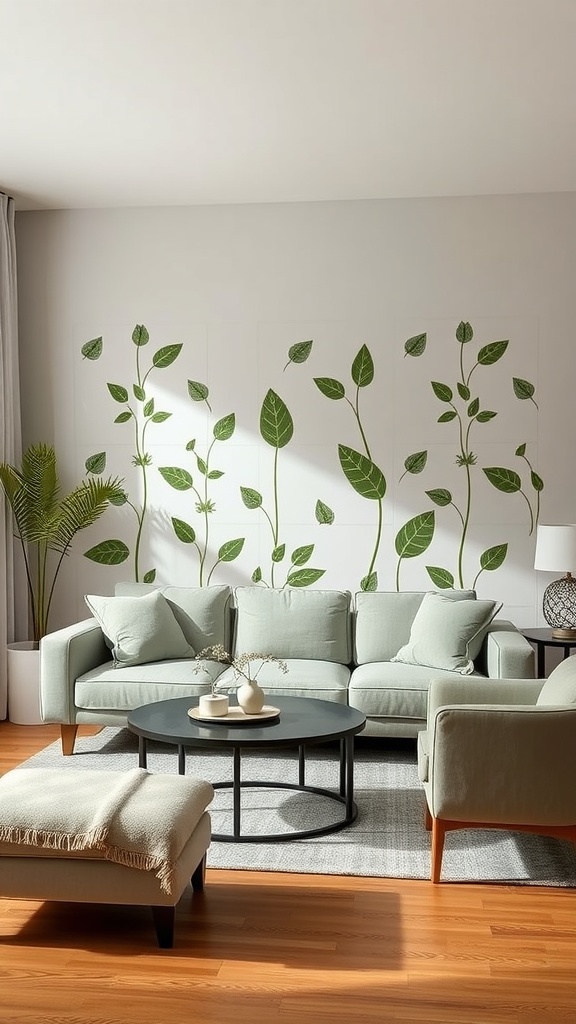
<point>237,286</point>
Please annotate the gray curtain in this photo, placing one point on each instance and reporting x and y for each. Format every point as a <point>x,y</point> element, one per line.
<point>10,428</point>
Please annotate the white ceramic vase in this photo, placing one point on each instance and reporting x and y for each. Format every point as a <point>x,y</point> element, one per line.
<point>250,697</point>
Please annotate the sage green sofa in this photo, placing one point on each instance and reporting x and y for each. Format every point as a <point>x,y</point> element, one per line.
<point>336,648</point>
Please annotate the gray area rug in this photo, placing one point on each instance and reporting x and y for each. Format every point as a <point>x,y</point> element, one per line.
<point>387,840</point>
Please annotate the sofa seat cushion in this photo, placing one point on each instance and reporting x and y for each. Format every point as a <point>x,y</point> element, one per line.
<point>122,689</point>
<point>392,689</point>
<point>294,623</point>
<point>304,678</point>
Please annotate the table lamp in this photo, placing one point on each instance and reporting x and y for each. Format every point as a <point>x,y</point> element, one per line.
<point>556,552</point>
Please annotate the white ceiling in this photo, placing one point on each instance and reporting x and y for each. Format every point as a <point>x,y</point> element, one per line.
<point>182,102</point>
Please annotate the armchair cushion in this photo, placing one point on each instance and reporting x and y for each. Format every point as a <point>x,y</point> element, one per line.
<point>447,634</point>
<point>560,686</point>
<point>139,629</point>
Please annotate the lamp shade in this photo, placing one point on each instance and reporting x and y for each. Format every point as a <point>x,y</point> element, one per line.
<point>556,548</point>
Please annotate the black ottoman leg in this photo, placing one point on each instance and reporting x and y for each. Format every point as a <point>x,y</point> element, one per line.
<point>164,924</point>
<point>199,876</point>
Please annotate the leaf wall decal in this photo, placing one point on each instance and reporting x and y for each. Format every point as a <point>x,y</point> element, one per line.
<point>441,578</point>
<point>415,536</point>
<point>330,387</point>
<point>276,425</point>
<point>324,514</point>
<point>140,335</point>
<point>491,353</point>
<point>179,479</point>
<point>493,557</point>
<point>108,552</point>
<point>363,368</point>
<point>92,349</point>
<point>363,474</point>
<point>165,356</point>
<point>502,479</point>
<point>304,577</point>
<point>415,346</point>
<point>96,463</point>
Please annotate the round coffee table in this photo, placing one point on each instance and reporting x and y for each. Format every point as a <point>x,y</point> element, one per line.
<point>302,721</point>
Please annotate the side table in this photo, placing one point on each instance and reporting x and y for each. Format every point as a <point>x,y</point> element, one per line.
<point>543,638</point>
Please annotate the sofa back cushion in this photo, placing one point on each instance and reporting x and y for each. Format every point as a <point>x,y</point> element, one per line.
<point>560,687</point>
<point>309,624</point>
<point>203,613</point>
<point>384,619</point>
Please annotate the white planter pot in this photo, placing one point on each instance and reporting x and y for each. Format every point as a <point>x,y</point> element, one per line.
<point>24,683</point>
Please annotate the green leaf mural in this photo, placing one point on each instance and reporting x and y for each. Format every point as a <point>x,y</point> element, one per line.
<point>179,479</point>
<point>183,531</point>
<point>464,416</point>
<point>304,577</point>
<point>299,352</point>
<point>523,389</point>
<point>276,424</point>
<point>415,346</point>
<point>277,429</point>
<point>363,474</point>
<point>441,578</point>
<point>330,387</point>
<point>108,552</point>
<point>92,349</point>
<point>96,463</point>
<point>413,538</point>
<point>324,514</point>
<point>363,368</point>
<point>141,458</point>
<point>415,463</point>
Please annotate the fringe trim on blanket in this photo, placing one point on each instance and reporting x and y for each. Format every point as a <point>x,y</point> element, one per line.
<point>96,837</point>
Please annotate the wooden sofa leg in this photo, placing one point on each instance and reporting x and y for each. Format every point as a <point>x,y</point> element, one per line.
<point>164,918</point>
<point>438,833</point>
<point>68,738</point>
<point>199,876</point>
<point>427,819</point>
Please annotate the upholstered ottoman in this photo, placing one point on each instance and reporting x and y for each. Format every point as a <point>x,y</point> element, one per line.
<point>104,837</point>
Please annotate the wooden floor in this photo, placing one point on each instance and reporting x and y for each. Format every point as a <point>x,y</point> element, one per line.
<point>257,947</point>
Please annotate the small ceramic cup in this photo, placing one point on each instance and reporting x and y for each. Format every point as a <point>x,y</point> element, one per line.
<point>213,705</point>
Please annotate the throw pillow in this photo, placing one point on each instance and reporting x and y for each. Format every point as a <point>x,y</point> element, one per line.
<point>447,634</point>
<point>139,629</point>
<point>560,687</point>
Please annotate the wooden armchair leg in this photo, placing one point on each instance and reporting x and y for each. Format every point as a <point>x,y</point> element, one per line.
<point>438,833</point>
<point>68,738</point>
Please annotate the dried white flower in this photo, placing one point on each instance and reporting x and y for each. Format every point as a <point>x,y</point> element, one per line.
<point>240,664</point>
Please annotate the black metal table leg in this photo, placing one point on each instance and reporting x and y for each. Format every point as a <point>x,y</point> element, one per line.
<point>142,752</point>
<point>342,768</point>
<point>301,766</point>
<point>236,792</point>
<point>181,759</point>
<point>349,756</point>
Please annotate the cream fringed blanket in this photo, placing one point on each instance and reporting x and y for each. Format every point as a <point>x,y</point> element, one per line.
<point>132,818</point>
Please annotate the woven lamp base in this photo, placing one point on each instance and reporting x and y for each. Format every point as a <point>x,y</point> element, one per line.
<point>559,607</point>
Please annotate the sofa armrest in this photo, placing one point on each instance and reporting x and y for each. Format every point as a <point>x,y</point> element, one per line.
<point>510,764</point>
<point>506,654</point>
<point>472,690</point>
<point>65,655</point>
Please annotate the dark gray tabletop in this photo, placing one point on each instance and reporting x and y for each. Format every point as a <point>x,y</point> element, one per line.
<point>302,720</point>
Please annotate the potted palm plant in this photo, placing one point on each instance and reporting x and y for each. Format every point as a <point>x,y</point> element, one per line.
<point>45,524</point>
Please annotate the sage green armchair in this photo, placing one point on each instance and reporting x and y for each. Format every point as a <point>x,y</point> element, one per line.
<point>500,756</point>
